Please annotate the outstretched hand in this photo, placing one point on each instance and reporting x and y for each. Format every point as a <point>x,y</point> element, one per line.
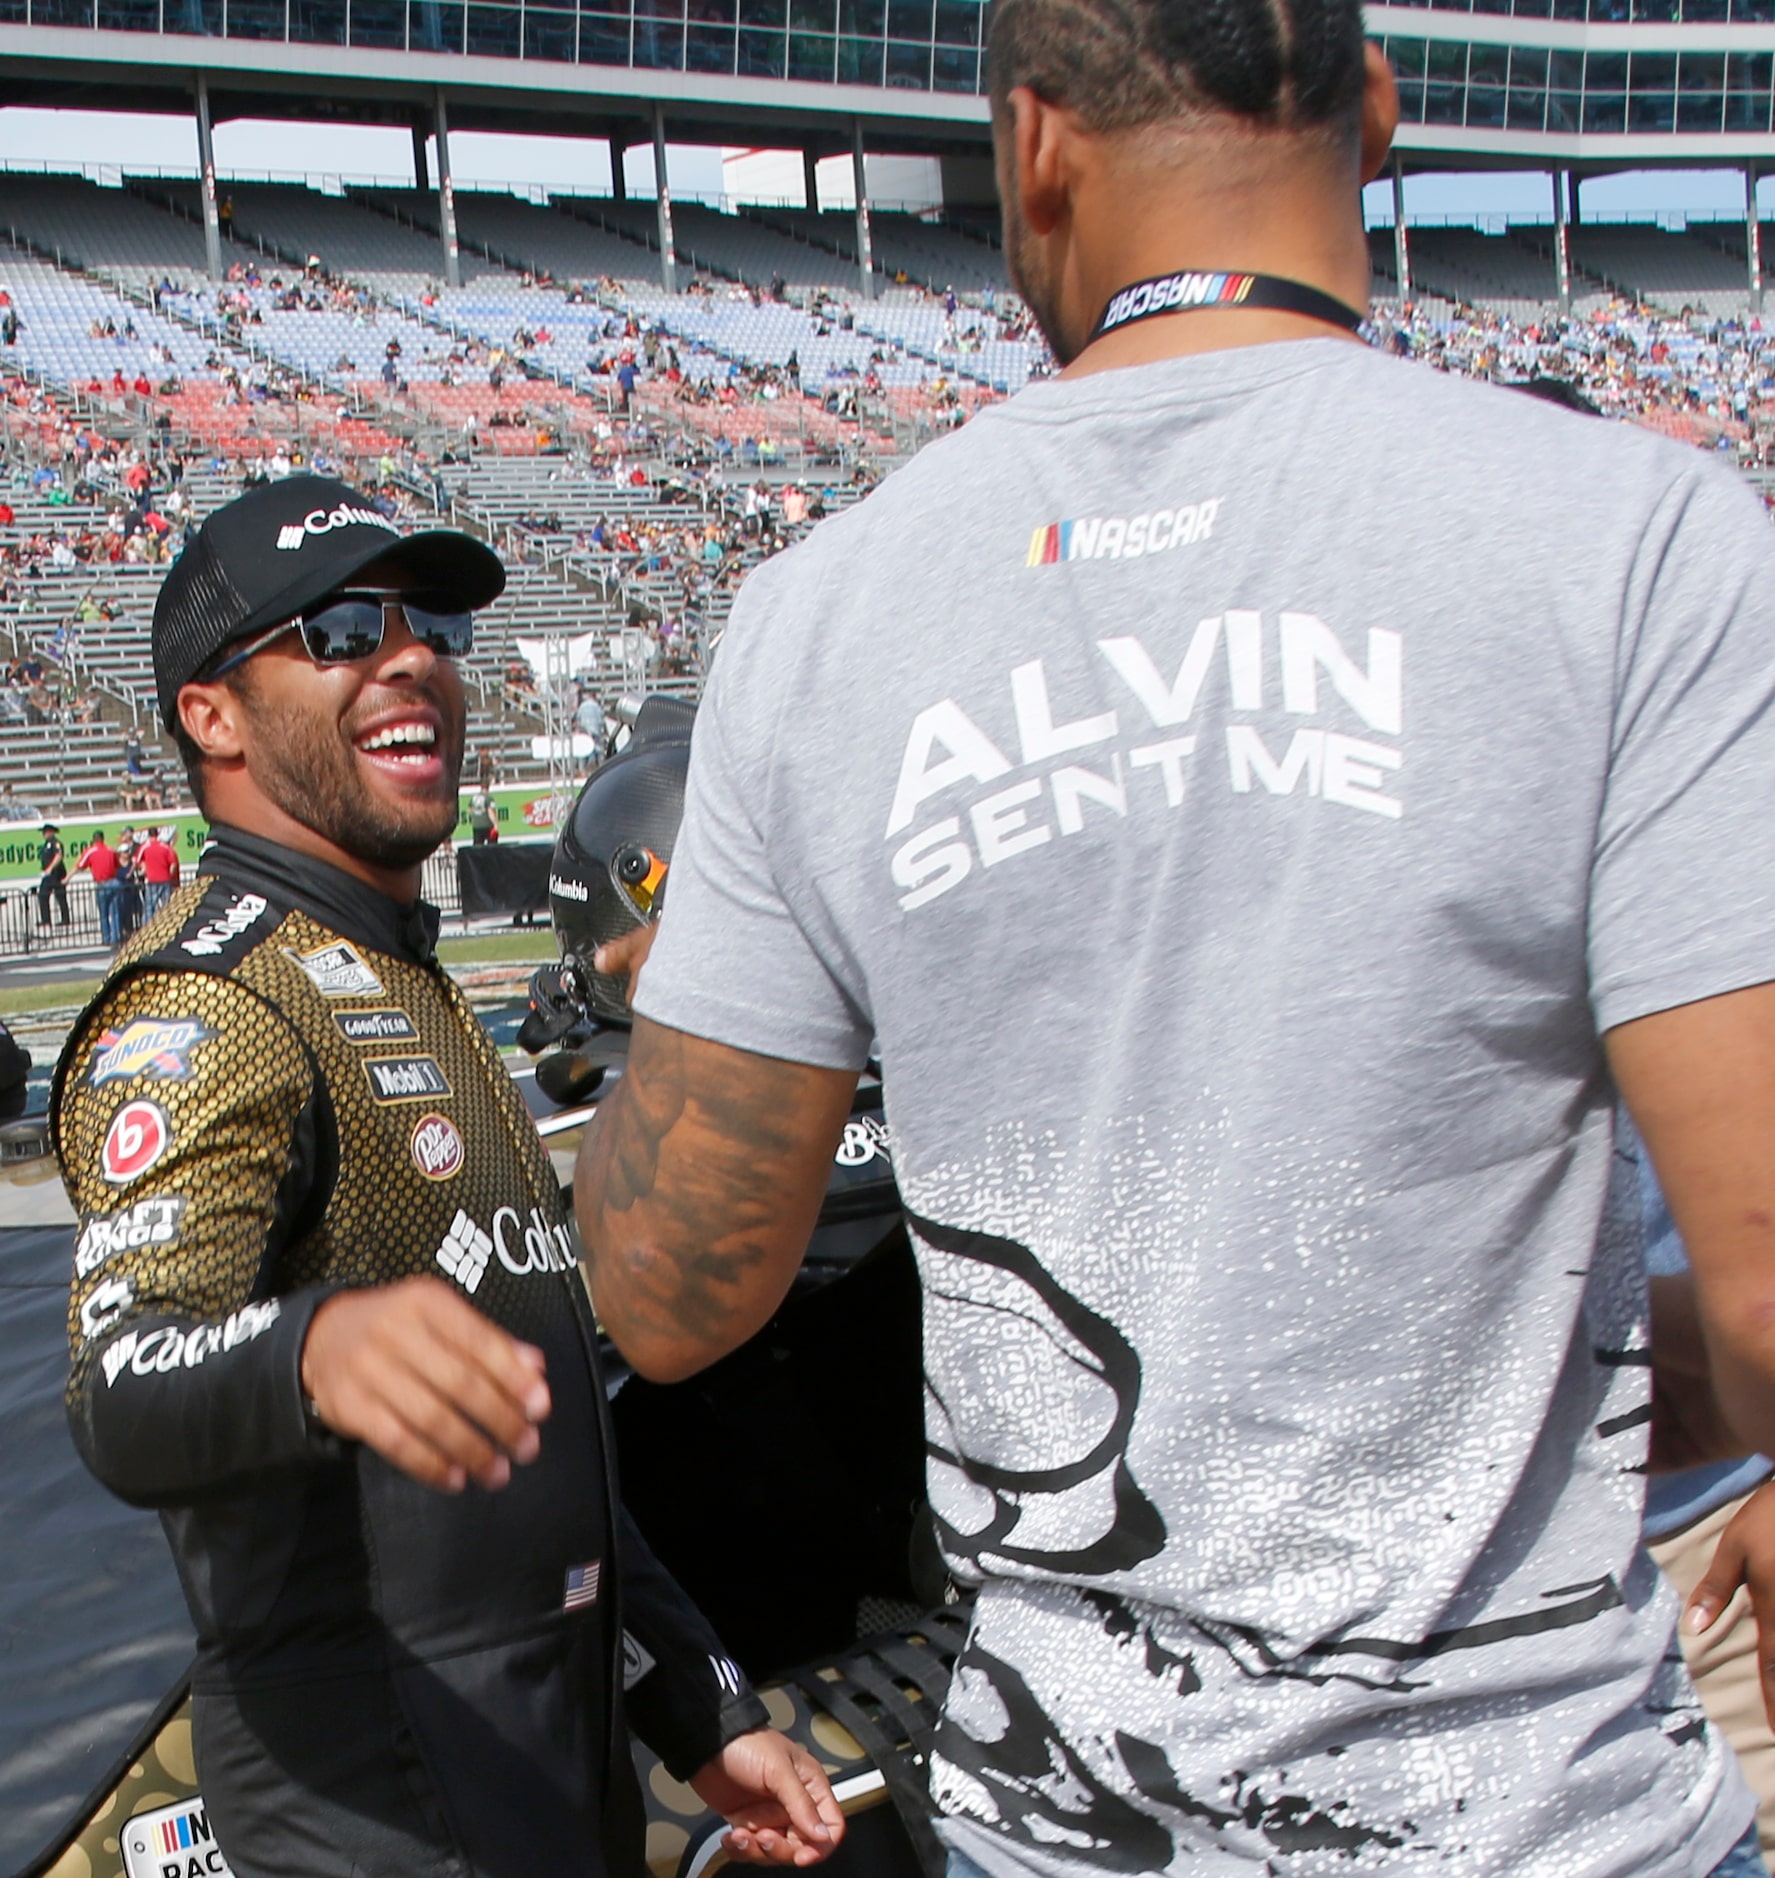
<point>414,1371</point>
<point>775,1797</point>
<point>1745,1556</point>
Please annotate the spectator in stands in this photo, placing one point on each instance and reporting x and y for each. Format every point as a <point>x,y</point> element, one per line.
<point>134,763</point>
<point>157,865</point>
<point>100,860</point>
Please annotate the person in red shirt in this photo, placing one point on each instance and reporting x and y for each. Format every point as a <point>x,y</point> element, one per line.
<point>158,864</point>
<point>100,860</point>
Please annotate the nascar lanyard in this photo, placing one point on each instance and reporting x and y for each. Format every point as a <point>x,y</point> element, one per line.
<point>1191,292</point>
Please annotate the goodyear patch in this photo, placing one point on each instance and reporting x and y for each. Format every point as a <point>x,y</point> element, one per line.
<point>148,1046</point>
<point>387,1026</point>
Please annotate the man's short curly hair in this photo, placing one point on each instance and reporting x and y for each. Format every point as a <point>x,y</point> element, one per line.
<point>1126,65</point>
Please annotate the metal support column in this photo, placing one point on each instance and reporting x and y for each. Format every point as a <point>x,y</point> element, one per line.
<point>865,248</point>
<point>446,196</point>
<point>1401,246</point>
<point>206,163</point>
<point>1753,238</point>
<point>810,176</point>
<point>668,253</point>
<point>421,168</point>
<point>1562,250</point>
<point>619,182</point>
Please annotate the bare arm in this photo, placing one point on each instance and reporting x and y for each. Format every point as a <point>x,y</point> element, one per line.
<point>697,1190</point>
<point>1699,1082</point>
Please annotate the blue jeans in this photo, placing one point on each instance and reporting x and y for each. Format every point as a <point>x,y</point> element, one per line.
<point>1745,1860</point>
<point>110,899</point>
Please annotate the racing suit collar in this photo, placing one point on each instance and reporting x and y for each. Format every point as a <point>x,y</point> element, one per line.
<point>354,910</point>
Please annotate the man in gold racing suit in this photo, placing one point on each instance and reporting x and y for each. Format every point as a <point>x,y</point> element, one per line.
<point>326,1314</point>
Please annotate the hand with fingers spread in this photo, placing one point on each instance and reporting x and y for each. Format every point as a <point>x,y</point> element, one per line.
<point>414,1371</point>
<point>1745,1556</point>
<point>775,1797</point>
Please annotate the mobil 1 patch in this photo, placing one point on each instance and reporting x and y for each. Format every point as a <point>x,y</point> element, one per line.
<point>405,1078</point>
<point>385,1026</point>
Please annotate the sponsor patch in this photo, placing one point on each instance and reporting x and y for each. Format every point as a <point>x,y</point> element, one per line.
<point>214,934</point>
<point>405,1078</point>
<point>726,1673</point>
<point>1121,537</point>
<point>567,889</point>
<point>437,1147</point>
<point>390,1026</point>
<point>148,1046</point>
<point>865,1140</point>
<point>323,521</point>
<point>173,1842</point>
<point>338,971</point>
<point>107,1302</point>
<point>465,1251</point>
<point>138,1136</point>
<point>148,1223</point>
<point>636,1661</point>
<point>159,1352</point>
<point>582,1585</point>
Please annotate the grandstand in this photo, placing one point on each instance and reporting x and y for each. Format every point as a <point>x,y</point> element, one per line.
<point>496,402</point>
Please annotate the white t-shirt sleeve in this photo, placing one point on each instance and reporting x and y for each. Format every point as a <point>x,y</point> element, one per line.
<point>1682,897</point>
<point>735,962</point>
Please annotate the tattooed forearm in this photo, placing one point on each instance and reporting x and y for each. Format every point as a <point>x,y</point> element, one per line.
<point>697,1190</point>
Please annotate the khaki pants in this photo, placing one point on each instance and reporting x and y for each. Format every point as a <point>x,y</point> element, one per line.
<point>1723,1662</point>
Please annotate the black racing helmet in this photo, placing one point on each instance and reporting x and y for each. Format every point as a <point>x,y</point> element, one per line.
<point>609,870</point>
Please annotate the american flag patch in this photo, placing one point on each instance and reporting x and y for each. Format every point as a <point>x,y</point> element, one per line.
<point>582,1585</point>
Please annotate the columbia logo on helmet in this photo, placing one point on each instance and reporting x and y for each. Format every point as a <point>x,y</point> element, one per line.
<point>324,521</point>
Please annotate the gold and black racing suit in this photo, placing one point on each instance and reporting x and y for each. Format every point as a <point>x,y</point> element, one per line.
<point>278,1093</point>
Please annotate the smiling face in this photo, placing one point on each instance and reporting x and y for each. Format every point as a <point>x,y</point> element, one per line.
<point>365,756</point>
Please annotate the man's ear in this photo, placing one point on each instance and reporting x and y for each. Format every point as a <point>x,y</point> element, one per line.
<point>1380,110</point>
<point>211,716</point>
<point>1041,168</point>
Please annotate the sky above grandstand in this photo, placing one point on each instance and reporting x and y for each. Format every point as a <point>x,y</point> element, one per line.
<point>110,142</point>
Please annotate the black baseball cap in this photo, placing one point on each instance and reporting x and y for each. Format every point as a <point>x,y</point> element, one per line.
<point>266,555</point>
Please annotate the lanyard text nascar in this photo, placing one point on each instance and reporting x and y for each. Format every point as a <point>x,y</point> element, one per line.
<point>1187,293</point>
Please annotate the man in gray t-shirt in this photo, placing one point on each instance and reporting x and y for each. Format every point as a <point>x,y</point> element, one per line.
<point>1235,789</point>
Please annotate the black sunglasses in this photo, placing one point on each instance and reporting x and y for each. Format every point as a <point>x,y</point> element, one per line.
<point>349,625</point>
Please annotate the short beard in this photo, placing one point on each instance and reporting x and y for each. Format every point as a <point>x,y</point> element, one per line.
<point>299,767</point>
<point>1037,294</point>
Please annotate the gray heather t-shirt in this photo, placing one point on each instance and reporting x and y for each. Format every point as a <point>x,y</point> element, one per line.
<point>1236,793</point>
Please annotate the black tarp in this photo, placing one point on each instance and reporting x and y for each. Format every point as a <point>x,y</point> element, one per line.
<point>93,1630</point>
<point>504,877</point>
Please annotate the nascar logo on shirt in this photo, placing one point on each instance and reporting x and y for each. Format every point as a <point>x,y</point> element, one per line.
<point>152,1222</point>
<point>173,1842</point>
<point>338,971</point>
<point>138,1136</point>
<point>148,1046</point>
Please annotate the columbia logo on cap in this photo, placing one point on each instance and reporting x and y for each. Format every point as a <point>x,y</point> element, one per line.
<point>323,522</point>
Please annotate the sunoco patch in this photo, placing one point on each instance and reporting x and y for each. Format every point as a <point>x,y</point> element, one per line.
<point>148,1046</point>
